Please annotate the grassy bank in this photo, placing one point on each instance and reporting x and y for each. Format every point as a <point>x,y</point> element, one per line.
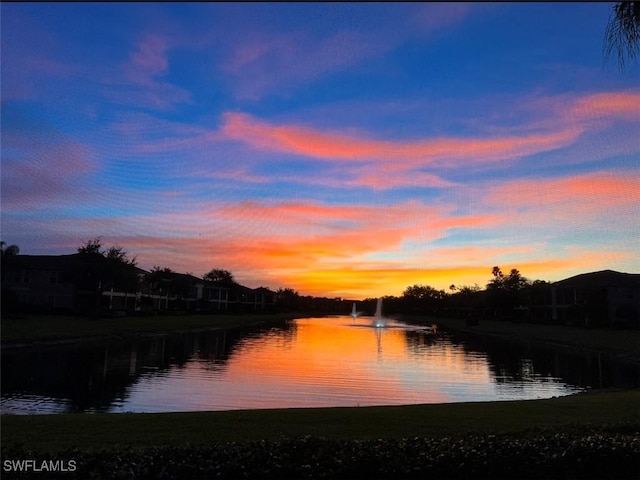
<point>50,433</point>
<point>51,328</point>
<point>621,343</point>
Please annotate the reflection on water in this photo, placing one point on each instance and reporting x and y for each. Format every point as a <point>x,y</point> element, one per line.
<point>310,362</point>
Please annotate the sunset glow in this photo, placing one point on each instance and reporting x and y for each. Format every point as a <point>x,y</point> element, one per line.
<point>340,149</point>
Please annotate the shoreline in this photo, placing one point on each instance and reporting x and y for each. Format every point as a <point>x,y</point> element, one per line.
<point>622,345</point>
<point>122,331</point>
<point>598,410</point>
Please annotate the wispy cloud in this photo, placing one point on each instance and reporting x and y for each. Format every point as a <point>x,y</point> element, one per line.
<point>336,146</point>
<point>42,171</point>
<point>621,105</point>
<point>433,17</point>
<point>143,80</point>
<point>270,240</point>
<point>575,198</point>
<point>269,62</point>
<point>31,58</point>
<point>266,62</point>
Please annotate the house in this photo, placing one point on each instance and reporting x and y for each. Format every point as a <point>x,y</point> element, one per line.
<point>76,283</point>
<point>197,295</point>
<point>258,300</point>
<point>41,282</point>
<point>604,298</point>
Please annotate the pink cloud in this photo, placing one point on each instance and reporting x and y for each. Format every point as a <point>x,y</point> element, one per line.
<point>551,125</point>
<point>435,16</point>
<point>31,57</point>
<point>588,193</point>
<point>624,105</point>
<point>33,77</point>
<point>597,211</point>
<point>337,146</point>
<point>149,60</point>
<point>42,170</point>
<point>264,62</point>
<point>253,236</point>
<point>143,72</point>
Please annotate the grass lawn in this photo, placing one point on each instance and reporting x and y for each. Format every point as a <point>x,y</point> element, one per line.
<point>51,433</point>
<point>39,328</point>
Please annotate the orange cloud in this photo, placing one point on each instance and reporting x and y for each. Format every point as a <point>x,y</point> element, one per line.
<point>270,242</point>
<point>338,146</point>
<point>361,280</point>
<point>372,250</point>
<point>332,266</point>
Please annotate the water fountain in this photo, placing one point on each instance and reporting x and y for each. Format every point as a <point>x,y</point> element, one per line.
<point>378,320</point>
<point>354,313</point>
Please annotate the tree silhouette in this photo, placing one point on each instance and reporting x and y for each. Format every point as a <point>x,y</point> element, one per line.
<point>8,250</point>
<point>220,276</point>
<point>91,247</point>
<point>101,269</point>
<point>287,299</point>
<point>160,278</point>
<point>513,281</point>
<point>622,34</point>
<point>422,292</point>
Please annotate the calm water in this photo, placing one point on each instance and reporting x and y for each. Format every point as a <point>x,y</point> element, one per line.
<point>310,362</point>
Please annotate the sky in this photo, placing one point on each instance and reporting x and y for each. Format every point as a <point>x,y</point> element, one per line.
<point>339,149</point>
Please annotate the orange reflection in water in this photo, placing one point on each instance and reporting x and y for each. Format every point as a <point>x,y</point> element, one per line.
<point>356,364</point>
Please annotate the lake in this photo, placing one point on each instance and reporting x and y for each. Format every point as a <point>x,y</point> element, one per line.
<point>308,362</point>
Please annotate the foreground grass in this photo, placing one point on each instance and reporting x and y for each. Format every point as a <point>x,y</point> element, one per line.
<point>52,433</point>
<point>595,435</point>
<point>44,328</point>
<point>547,455</point>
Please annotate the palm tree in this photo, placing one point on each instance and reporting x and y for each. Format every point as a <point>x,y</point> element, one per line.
<point>622,35</point>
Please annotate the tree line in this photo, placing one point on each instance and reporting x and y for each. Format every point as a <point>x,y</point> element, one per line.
<point>101,269</point>
<point>505,296</point>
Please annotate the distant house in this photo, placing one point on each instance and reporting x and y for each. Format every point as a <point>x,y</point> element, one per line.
<point>198,295</point>
<point>604,298</point>
<point>259,299</point>
<point>65,283</point>
<point>40,282</point>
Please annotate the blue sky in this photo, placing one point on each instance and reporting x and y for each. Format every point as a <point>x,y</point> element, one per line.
<point>339,149</point>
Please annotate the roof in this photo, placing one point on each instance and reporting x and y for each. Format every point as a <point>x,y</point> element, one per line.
<point>603,278</point>
<point>70,261</point>
<point>51,262</point>
<point>44,262</point>
<point>264,290</point>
